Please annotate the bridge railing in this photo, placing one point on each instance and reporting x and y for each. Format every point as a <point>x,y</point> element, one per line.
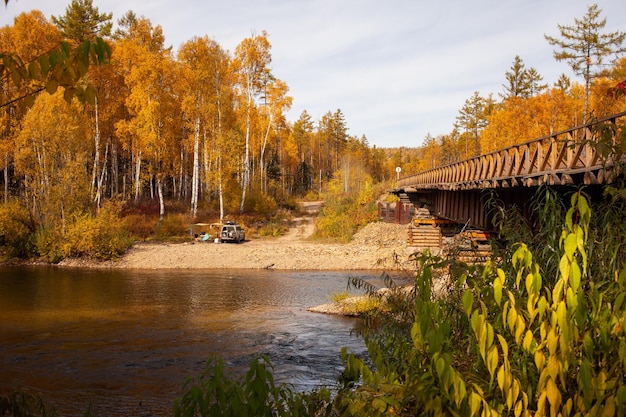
<point>551,159</point>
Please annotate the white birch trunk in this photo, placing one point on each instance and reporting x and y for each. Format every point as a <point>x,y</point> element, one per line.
<point>137,176</point>
<point>161,201</point>
<point>195,181</point>
<point>96,159</point>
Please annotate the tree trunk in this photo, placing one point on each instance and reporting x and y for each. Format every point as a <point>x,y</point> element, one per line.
<point>195,181</point>
<point>137,177</point>
<point>96,159</point>
<point>262,156</point>
<point>161,201</point>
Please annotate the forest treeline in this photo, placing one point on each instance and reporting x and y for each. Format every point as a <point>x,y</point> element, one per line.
<point>204,128</point>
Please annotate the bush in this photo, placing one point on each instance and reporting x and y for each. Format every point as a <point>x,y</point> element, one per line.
<point>173,227</point>
<point>260,204</point>
<point>216,394</point>
<point>102,236</point>
<point>532,347</point>
<point>20,403</point>
<point>49,243</point>
<point>341,218</point>
<point>16,229</point>
<point>140,226</point>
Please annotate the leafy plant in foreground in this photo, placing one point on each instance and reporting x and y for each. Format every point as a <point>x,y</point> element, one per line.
<point>533,348</point>
<point>256,395</point>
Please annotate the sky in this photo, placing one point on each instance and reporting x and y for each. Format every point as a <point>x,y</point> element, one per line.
<point>398,70</point>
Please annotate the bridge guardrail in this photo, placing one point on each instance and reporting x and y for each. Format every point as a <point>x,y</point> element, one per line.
<point>552,159</point>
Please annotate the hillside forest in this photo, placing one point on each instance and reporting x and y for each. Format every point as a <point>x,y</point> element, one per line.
<point>203,131</point>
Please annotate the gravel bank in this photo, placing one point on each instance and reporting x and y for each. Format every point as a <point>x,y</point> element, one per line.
<point>378,246</point>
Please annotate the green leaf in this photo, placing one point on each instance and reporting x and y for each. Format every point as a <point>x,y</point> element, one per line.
<point>586,378</point>
<point>468,301</point>
<point>44,64</point>
<point>34,70</point>
<point>570,246</point>
<point>68,94</point>
<point>440,366</point>
<point>51,86</point>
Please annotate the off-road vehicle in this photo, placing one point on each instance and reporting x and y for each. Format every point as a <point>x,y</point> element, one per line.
<point>232,232</point>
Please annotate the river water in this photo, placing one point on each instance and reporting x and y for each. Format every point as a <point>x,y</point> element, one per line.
<point>126,341</point>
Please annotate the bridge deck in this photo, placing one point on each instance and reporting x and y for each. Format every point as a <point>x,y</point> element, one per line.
<point>553,159</point>
<point>569,157</point>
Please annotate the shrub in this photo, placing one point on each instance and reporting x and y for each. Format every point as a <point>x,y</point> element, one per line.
<point>102,236</point>
<point>173,227</point>
<point>20,403</point>
<point>140,226</point>
<point>216,394</point>
<point>272,229</point>
<point>16,229</point>
<point>260,203</point>
<point>49,243</point>
<point>533,347</point>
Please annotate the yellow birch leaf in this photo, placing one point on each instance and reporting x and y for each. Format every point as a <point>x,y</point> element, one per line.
<point>554,367</point>
<point>474,402</point>
<point>501,378</point>
<point>519,407</point>
<point>609,408</point>
<point>540,359</point>
<point>528,340</point>
<point>492,360</point>
<point>553,394</point>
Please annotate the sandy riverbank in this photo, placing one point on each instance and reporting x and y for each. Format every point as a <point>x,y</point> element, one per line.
<point>378,246</point>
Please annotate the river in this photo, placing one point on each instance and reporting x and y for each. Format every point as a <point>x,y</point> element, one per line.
<point>125,341</point>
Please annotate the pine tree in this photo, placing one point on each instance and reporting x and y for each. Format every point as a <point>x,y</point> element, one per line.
<point>584,47</point>
<point>472,119</point>
<point>82,21</point>
<point>522,82</point>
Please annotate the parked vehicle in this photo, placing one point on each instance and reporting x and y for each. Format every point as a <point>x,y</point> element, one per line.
<point>232,232</point>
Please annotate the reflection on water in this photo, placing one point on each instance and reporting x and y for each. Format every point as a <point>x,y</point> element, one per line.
<point>126,341</point>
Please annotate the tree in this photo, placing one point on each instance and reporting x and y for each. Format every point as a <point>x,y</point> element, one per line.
<point>301,135</point>
<point>472,119</point>
<point>51,155</point>
<point>58,64</point>
<point>563,83</point>
<point>584,47</point>
<point>276,101</point>
<point>522,82</point>
<point>83,22</point>
<point>147,133</point>
<point>206,103</point>
<point>252,59</point>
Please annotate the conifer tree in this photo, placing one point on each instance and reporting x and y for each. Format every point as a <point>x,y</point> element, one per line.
<point>82,21</point>
<point>522,82</point>
<point>584,47</point>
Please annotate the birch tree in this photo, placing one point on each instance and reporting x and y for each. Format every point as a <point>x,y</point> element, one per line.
<point>50,155</point>
<point>205,68</point>
<point>147,130</point>
<point>82,21</point>
<point>251,66</point>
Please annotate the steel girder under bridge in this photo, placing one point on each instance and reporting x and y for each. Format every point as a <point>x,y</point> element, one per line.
<point>457,191</point>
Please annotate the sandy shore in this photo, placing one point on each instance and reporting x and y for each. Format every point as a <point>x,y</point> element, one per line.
<point>379,246</point>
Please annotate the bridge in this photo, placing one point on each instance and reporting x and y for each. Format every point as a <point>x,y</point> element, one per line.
<point>456,192</point>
